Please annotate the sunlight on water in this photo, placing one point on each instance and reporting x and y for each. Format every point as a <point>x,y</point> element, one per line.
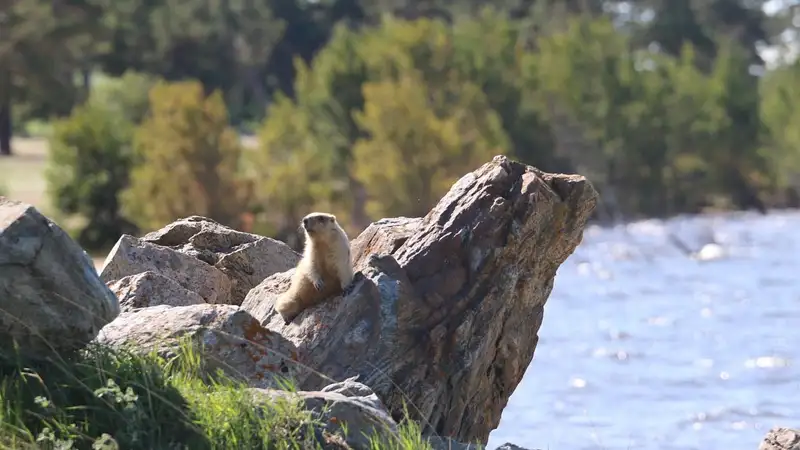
<point>652,343</point>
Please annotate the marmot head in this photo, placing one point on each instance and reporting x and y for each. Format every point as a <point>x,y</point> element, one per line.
<point>317,222</point>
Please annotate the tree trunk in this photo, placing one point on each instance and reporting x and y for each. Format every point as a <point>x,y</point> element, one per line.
<point>5,128</point>
<point>744,195</point>
<point>359,216</point>
<point>86,75</point>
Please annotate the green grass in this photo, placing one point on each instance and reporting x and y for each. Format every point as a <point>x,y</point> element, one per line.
<point>105,398</point>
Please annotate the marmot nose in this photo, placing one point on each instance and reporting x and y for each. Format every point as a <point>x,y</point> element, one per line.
<point>305,223</point>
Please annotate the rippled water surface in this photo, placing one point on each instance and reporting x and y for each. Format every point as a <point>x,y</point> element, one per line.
<point>644,347</point>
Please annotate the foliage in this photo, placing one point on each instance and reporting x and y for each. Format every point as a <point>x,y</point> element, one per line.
<point>126,96</point>
<point>352,136</point>
<point>42,44</point>
<point>780,94</point>
<point>289,173</point>
<point>187,160</point>
<point>105,398</point>
<point>652,123</point>
<point>421,139</point>
<point>654,100</point>
<point>88,167</point>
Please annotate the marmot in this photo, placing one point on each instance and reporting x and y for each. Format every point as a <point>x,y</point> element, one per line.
<point>324,270</point>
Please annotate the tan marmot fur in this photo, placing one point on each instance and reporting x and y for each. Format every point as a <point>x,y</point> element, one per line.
<point>325,269</point>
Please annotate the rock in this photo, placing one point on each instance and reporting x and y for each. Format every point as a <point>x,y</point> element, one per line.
<point>51,298</point>
<point>338,335</point>
<point>229,339</point>
<point>444,443</point>
<point>218,263</point>
<point>510,446</point>
<point>780,438</point>
<point>347,406</point>
<point>444,313</point>
<point>151,289</point>
<point>132,256</point>
<point>382,237</point>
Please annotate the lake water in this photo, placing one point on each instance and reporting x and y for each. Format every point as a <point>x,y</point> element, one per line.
<point>644,347</point>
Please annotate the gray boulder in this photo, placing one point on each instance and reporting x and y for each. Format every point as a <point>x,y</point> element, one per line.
<point>348,408</point>
<point>151,289</point>
<point>216,262</point>
<point>132,256</point>
<point>224,336</point>
<point>51,299</point>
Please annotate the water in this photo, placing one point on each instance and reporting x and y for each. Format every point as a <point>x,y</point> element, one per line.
<point>643,347</point>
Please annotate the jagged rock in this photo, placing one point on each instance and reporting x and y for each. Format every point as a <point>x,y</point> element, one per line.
<point>780,438</point>
<point>151,289</point>
<point>444,313</point>
<point>131,256</point>
<point>51,298</point>
<point>229,338</point>
<point>382,238</point>
<point>345,406</point>
<point>218,263</point>
<point>340,334</point>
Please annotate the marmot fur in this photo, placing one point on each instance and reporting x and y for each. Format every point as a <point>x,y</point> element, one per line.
<point>324,270</point>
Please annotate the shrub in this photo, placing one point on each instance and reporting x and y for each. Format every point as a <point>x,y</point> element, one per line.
<point>89,162</point>
<point>187,159</point>
<point>422,138</point>
<point>126,95</point>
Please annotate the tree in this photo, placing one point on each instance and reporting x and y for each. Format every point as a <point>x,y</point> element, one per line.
<point>126,96</point>
<point>780,114</point>
<point>89,162</point>
<point>187,160</point>
<point>289,172</point>
<point>329,90</point>
<point>42,45</point>
<point>422,138</point>
<point>649,125</point>
<point>195,39</point>
<point>743,171</point>
<point>703,23</point>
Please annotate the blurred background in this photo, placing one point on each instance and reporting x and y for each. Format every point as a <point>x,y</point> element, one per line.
<point>670,325</point>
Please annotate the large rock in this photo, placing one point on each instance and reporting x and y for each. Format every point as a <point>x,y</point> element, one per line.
<point>132,256</point>
<point>444,313</point>
<point>347,408</point>
<point>151,289</point>
<point>51,298</point>
<point>780,438</point>
<point>226,338</point>
<point>218,263</point>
